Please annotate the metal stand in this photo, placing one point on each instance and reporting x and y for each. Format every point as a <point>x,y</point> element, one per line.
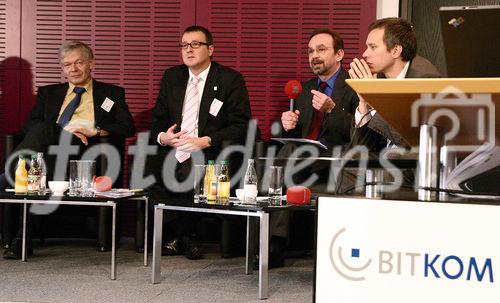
<point>428,162</point>
<point>374,176</point>
<point>448,160</point>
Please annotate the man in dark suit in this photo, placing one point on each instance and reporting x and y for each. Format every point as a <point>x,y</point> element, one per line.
<point>391,52</point>
<point>82,108</point>
<point>201,104</point>
<point>324,112</point>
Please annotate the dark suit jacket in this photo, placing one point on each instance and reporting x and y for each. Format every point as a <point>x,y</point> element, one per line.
<point>335,129</point>
<point>223,84</point>
<point>118,121</point>
<point>375,133</point>
<point>41,129</point>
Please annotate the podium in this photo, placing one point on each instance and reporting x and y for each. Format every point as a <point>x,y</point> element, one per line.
<point>461,110</point>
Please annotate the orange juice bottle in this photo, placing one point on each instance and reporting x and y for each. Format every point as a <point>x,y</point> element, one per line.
<point>224,184</point>
<point>21,183</point>
<point>210,185</point>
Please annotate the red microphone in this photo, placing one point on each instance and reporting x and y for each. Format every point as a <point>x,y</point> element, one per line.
<point>293,88</point>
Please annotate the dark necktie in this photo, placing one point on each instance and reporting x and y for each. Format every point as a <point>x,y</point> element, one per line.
<point>71,107</point>
<point>318,116</point>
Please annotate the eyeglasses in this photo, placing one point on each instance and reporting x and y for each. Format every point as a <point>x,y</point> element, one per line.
<point>320,50</point>
<point>193,44</point>
<point>79,63</point>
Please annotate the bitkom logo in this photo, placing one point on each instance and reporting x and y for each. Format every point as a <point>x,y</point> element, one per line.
<point>341,266</point>
<point>358,264</point>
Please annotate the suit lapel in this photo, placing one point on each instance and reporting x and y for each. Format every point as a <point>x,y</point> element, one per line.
<point>98,96</point>
<point>337,95</point>
<point>339,88</point>
<point>56,104</point>
<point>308,109</point>
<point>179,92</point>
<point>209,93</point>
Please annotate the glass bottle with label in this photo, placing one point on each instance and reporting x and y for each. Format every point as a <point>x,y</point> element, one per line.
<point>34,176</point>
<point>43,173</point>
<point>210,184</point>
<point>21,181</point>
<point>250,185</point>
<point>223,183</point>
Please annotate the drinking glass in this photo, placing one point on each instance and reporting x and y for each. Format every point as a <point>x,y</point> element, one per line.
<point>74,181</point>
<point>86,175</point>
<point>81,177</point>
<point>199,183</point>
<point>275,185</point>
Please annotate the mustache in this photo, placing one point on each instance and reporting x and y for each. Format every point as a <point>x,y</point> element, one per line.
<point>316,61</point>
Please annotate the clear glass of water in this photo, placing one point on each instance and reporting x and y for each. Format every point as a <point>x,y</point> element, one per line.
<point>81,177</point>
<point>74,180</point>
<point>275,185</point>
<point>199,183</point>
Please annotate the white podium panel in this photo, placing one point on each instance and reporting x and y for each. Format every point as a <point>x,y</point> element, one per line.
<point>402,251</point>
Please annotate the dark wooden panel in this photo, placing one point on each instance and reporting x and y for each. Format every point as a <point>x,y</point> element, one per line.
<point>266,41</point>
<point>136,40</point>
<point>425,18</point>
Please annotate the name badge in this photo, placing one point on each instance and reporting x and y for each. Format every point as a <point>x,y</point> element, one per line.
<point>215,107</point>
<point>107,104</point>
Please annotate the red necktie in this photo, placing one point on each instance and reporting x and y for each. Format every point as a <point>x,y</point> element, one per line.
<point>317,117</point>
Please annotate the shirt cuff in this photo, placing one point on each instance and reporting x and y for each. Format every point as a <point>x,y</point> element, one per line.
<point>360,120</point>
<point>158,139</point>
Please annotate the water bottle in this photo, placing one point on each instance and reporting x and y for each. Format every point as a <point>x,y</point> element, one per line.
<point>34,176</point>
<point>250,185</point>
<point>43,173</point>
<point>223,183</point>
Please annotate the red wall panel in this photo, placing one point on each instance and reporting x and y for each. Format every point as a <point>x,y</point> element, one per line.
<point>136,40</point>
<point>266,41</point>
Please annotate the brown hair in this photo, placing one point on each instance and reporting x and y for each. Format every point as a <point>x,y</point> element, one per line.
<point>338,42</point>
<point>398,31</point>
<point>204,30</point>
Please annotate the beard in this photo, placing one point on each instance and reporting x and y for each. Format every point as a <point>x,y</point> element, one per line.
<point>319,67</point>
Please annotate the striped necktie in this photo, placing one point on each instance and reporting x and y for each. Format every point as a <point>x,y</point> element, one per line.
<point>190,116</point>
<point>71,107</point>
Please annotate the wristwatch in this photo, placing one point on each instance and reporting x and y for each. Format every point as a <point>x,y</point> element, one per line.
<point>98,129</point>
<point>209,141</point>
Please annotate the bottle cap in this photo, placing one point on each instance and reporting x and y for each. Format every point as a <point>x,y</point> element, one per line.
<point>211,162</point>
<point>224,162</point>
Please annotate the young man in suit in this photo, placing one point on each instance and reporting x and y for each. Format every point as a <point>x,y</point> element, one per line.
<point>82,108</point>
<point>391,52</point>
<point>200,106</point>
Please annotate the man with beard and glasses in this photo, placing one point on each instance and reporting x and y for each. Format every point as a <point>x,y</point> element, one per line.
<point>325,108</point>
<point>324,112</point>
